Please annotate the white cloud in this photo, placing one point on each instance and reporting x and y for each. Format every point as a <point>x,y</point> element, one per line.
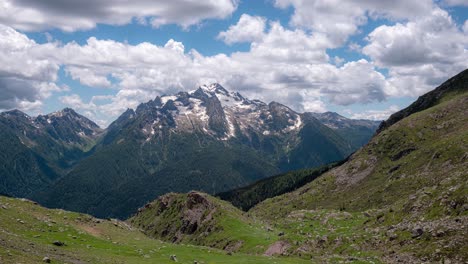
<point>433,39</point>
<point>338,61</point>
<point>419,54</point>
<point>288,66</point>
<point>281,44</point>
<point>375,114</point>
<point>27,76</point>
<point>88,77</point>
<point>354,82</point>
<point>76,101</point>
<point>340,19</point>
<point>248,29</point>
<point>32,15</point>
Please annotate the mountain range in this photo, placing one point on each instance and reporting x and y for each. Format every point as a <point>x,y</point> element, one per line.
<point>401,198</point>
<point>208,139</point>
<point>36,151</point>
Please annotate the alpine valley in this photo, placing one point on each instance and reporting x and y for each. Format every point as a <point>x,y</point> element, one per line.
<point>209,139</point>
<point>401,198</point>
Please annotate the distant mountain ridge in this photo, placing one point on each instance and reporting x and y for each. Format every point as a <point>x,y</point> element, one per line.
<point>356,131</point>
<point>37,150</point>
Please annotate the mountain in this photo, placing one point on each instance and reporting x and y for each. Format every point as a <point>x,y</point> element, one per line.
<point>356,131</point>
<point>69,127</point>
<point>402,198</point>
<point>36,151</point>
<point>209,139</point>
<point>410,181</point>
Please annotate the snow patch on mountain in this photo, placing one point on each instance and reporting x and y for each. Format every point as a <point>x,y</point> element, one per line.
<point>189,113</point>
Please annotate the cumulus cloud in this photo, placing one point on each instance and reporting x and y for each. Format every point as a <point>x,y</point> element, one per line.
<point>375,114</point>
<point>27,76</point>
<point>76,101</point>
<point>356,81</point>
<point>288,66</point>
<point>285,64</point>
<point>32,15</point>
<point>433,39</point>
<point>340,19</point>
<point>248,29</point>
<point>419,54</point>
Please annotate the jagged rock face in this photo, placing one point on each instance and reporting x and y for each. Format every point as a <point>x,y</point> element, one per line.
<point>64,126</point>
<point>214,111</point>
<point>68,126</point>
<point>174,217</point>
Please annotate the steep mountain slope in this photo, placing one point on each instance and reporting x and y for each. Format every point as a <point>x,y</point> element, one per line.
<point>413,176</point>
<point>35,151</point>
<point>208,139</point>
<point>420,151</point>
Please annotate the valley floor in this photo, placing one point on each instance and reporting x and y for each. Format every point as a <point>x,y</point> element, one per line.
<point>28,233</point>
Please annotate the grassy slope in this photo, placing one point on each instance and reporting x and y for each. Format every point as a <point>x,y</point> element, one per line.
<point>411,174</point>
<point>166,218</point>
<point>28,230</point>
<point>436,142</point>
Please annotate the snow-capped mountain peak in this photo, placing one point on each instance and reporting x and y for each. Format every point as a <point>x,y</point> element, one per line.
<point>213,88</point>
<point>213,110</point>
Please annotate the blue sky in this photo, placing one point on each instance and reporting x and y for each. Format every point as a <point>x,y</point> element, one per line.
<point>360,59</point>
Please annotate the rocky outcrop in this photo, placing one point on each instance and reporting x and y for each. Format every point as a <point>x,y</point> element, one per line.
<point>278,248</point>
<point>174,216</point>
